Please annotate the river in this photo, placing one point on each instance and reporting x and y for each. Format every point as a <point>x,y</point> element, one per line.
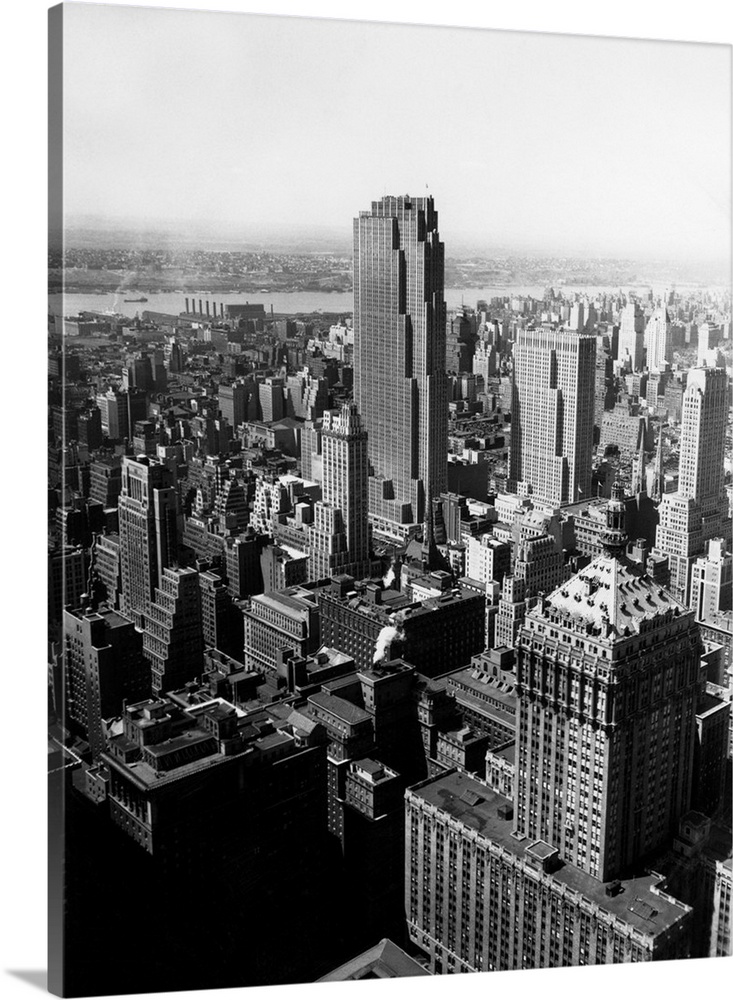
<point>287,303</point>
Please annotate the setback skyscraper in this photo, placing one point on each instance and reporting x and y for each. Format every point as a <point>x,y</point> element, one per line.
<point>631,338</point>
<point>339,537</point>
<point>607,679</point>
<point>697,511</point>
<point>399,358</point>
<point>656,340</point>
<point>552,414</point>
<point>148,513</point>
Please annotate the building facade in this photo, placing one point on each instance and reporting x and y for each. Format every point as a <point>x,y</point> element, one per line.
<point>399,358</point>
<point>339,538</point>
<point>148,528</point>
<point>697,511</point>
<point>553,399</point>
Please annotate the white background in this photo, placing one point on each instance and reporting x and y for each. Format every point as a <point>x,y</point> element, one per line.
<point>22,488</point>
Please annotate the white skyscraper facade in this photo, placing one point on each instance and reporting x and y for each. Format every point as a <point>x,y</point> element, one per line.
<point>656,340</point>
<point>631,338</point>
<point>339,537</point>
<point>697,511</point>
<point>553,400</point>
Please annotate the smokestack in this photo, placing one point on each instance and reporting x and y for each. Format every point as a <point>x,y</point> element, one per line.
<point>207,308</point>
<point>201,311</point>
<point>214,305</point>
<point>221,309</point>
<point>186,305</point>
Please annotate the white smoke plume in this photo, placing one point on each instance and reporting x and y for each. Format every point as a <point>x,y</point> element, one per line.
<point>386,637</point>
<point>389,578</point>
<point>384,640</point>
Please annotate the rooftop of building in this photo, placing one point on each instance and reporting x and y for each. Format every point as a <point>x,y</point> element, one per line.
<point>462,734</point>
<point>708,704</point>
<point>474,684</point>
<point>291,599</point>
<point>608,593</point>
<point>387,668</point>
<point>478,808</point>
<point>384,961</point>
<point>342,709</point>
<point>506,752</point>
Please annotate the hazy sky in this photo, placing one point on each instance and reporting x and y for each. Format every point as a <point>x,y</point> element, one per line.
<point>570,144</point>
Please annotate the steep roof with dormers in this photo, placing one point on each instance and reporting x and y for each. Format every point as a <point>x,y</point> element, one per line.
<point>611,594</point>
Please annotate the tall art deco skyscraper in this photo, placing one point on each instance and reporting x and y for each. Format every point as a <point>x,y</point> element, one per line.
<point>399,376</point>
<point>551,449</point>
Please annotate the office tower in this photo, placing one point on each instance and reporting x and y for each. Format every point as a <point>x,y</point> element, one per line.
<point>350,733</point>
<point>697,511</point>
<point>478,897</point>
<point>399,358</point>
<point>461,340</point>
<point>282,566</point>
<point>311,450</point>
<point>113,410</point>
<point>712,726</point>
<point>135,407</point>
<point>551,448</point>
<point>239,402</point>
<point>285,620</point>
<point>712,576</point>
<point>148,511</point>
<point>604,384</point>
<point>231,507</point>
<point>89,428</point>
<point>221,621</point>
<point>608,680</point>
<point>242,562</point>
<point>485,697</point>
<point>105,480</point>
<point>638,472</point>
<point>160,372</point>
<point>485,361</point>
<point>607,684</point>
<point>657,477</point>
<point>138,374</point>
<point>104,667</point>
<point>173,356</point>
<point>307,395</point>
<point>106,563</point>
<point>487,558</point>
<point>703,343</point>
<point>538,558</point>
<point>68,568</point>
<point>339,537</point>
<point>173,638</point>
<point>656,340</point>
<point>631,338</point>
<point>272,399</point>
<point>512,609</point>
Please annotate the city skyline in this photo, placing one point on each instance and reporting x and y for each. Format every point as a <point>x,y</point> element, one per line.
<point>594,167</point>
<point>370,599</point>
